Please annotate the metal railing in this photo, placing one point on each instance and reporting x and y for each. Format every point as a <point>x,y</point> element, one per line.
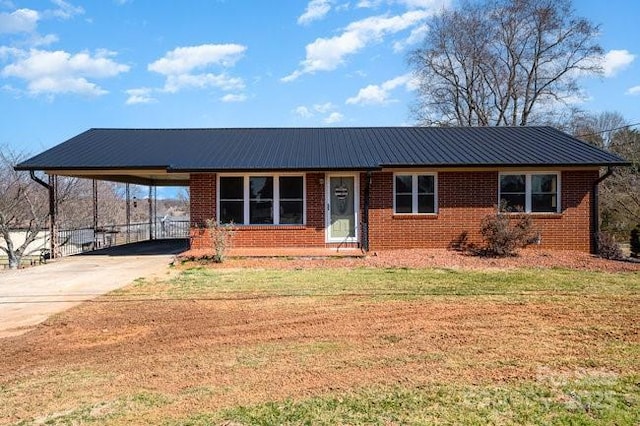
<point>74,241</point>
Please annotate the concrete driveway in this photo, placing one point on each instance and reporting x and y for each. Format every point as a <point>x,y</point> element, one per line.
<point>29,296</point>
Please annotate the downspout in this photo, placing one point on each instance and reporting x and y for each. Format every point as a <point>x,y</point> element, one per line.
<point>595,213</point>
<point>52,211</point>
<point>365,212</point>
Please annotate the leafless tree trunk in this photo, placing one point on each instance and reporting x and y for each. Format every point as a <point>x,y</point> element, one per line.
<point>502,62</point>
<point>23,206</point>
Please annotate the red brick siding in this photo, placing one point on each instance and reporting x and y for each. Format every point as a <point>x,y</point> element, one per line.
<point>464,198</point>
<point>309,235</point>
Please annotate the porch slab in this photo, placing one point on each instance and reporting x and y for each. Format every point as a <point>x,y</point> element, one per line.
<point>299,252</point>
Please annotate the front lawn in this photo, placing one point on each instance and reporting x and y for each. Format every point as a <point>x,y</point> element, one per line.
<point>337,346</point>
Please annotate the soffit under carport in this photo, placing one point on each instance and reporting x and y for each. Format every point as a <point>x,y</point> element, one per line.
<point>148,177</point>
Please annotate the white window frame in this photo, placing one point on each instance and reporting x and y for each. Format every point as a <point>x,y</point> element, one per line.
<point>414,192</point>
<point>276,197</point>
<point>527,187</point>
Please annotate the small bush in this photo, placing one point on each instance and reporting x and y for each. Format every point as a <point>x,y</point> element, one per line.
<point>504,233</point>
<point>634,241</point>
<point>607,247</point>
<point>221,236</point>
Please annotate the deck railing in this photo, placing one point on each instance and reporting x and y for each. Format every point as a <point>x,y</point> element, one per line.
<point>74,241</point>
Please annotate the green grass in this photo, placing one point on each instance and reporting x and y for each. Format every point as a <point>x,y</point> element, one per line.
<point>391,283</point>
<point>589,401</point>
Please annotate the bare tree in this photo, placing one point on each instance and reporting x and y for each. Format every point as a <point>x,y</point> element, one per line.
<point>502,62</point>
<point>24,206</point>
<point>620,193</point>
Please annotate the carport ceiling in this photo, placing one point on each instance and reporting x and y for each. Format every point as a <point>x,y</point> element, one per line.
<point>151,177</point>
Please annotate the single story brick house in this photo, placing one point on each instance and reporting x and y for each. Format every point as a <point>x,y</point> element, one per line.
<point>370,187</point>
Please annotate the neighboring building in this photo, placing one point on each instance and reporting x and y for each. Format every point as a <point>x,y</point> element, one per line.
<point>377,188</point>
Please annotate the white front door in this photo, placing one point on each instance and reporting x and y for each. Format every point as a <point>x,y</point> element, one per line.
<point>342,208</point>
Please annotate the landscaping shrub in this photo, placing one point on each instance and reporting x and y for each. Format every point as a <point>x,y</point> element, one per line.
<point>607,247</point>
<point>504,233</point>
<point>221,236</point>
<point>634,241</point>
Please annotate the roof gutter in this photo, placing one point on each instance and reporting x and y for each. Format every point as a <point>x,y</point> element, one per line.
<point>36,179</point>
<point>595,213</point>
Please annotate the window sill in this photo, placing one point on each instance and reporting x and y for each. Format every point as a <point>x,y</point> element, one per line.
<point>268,226</point>
<point>413,216</point>
<point>537,215</point>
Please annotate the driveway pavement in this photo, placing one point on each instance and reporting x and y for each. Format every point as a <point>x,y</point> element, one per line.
<point>29,296</point>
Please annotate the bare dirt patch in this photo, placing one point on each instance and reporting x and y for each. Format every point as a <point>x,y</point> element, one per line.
<point>179,356</point>
<point>434,258</point>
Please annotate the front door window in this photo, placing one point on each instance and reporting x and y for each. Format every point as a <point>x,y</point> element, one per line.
<point>342,222</point>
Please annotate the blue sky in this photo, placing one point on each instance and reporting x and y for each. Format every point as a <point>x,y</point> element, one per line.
<point>66,66</point>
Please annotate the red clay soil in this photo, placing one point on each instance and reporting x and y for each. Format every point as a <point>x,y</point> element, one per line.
<point>203,355</point>
<point>250,351</point>
<point>419,258</point>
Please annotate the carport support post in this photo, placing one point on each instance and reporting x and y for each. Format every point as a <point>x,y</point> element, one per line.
<point>53,215</point>
<point>127,211</point>
<point>94,187</point>
<point>150,212</point>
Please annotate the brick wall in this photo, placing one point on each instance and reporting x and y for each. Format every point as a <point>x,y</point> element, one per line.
<point>203,206</point>
<point>464,198</point>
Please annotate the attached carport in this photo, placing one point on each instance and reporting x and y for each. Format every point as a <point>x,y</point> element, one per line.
<point>92,156</point>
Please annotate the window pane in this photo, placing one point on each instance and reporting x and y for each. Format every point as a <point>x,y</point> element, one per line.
<point>403,203</point>
<point>291,187</point>
<point>544,203</point>
<point>512,202</point>
<point>512,183</point>
<point>403,184</point>
<point>261,188</point>
<point>425,184</point>
<point>543,183</point>
<point>426,203</point>
<point>232,188</point>
<point>232,211</point>
<point>291,212</point>
<point>261,212</point>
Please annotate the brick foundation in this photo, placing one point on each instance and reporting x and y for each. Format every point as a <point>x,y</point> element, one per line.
<point>464,198</point>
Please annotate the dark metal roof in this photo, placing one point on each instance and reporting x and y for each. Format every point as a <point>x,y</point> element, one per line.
<point>347,148</point>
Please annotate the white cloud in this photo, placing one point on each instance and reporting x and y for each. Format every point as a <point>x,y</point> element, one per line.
<point>19,21</point>
<point>316,9</point>
<point>182,60</point>
<point>178,67</point>
<point>635,90</point>
<point>140,96</point>
<point>416,36</point>
<point>426,4</point>
<point>410,4</point>
<point>303,111</point>
<point>55,72</point>
<point>327,109</point>
<point>615,61</point>
<point>46,40</point>
<point>326,54</point>
<point>65,10</point>
<point>381,94</point>
<point>334,117</point>
<point>324,108</point>
<point>234,97</point>
<point>175,83</point>
<point>368,4</point>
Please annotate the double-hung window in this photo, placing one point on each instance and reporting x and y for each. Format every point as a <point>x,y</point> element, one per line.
<point>414,193</point>
<point>530,192</point>
<point>261,199</point>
